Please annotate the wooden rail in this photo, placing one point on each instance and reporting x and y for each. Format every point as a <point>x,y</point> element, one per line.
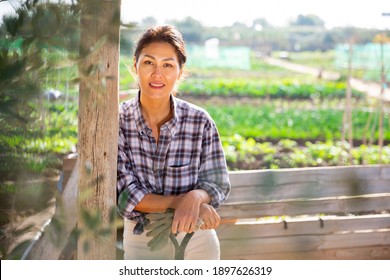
<point>57,233</point>
<point>308,213</point>
<point>305,213</point>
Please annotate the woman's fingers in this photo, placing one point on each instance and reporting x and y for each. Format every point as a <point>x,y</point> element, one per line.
<point>189,211</point>
<point>186,214</point>
<point>209,216</point>
<point>210,224</point>
<point>184,223</point>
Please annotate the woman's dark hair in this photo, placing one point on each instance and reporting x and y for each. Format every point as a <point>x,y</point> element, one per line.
<point>163,33</point>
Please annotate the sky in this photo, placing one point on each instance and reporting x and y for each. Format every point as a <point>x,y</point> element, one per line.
<point>335,13</point>
<point>359,13</point>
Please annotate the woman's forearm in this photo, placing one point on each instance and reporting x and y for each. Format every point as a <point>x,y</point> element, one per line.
<point>155,203</point>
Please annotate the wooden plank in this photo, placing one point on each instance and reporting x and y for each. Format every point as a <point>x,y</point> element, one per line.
<point>305,225</point>
<point>68,163</point>
<point>385,172</point>
<point>307,175</point>
<point>53,240</point>
<point>305,207</point>
<point>359,253</point>
<point>304,243</point>
<point>259,185</point>
<point>307,190</point>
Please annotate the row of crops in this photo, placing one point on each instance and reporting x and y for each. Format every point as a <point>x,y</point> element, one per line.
<point>286,88</point>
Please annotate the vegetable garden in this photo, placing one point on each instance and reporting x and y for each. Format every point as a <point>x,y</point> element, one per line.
<point>268,117</point>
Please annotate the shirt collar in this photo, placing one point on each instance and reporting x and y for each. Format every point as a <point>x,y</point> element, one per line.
<point>172,123</point>
<point>139,119</point>
<point>141,124</point>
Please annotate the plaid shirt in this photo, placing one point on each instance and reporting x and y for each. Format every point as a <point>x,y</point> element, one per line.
<point>188,156</point>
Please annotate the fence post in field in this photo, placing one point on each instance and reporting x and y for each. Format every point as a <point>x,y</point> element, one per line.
<point>347,117</point>
<point>98,128</point>
<point>382,41</point>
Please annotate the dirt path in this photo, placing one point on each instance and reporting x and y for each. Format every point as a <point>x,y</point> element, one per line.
<point>371,89</point>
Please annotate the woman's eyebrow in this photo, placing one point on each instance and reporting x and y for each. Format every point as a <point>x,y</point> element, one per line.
<point>152,57</point>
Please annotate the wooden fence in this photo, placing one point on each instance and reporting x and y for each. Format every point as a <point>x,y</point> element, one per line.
<point>308,213</point>
<point>305,213</point>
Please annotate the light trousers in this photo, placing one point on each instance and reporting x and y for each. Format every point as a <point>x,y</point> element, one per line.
<point>204,245</point>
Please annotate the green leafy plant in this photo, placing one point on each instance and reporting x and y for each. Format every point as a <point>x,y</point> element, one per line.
<point>284,88</point>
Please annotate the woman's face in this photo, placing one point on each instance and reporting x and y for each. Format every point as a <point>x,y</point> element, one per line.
<point>158,70</point>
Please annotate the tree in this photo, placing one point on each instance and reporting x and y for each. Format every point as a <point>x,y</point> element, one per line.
<point>148,21</point>
<point>260,22</point>
<point>98,128</point>
<point>191,28</point>
<point>308,20</point>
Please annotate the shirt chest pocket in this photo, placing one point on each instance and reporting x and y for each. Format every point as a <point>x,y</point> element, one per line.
<point>179,179</point>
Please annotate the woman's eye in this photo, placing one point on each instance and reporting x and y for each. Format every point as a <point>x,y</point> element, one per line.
<point>168,65</point>
<point>148,62</point>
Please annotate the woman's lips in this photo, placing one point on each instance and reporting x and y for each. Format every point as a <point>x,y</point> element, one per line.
<point>156,85</point>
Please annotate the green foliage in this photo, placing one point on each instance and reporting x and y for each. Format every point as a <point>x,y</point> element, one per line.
<point>286,88</point>
<point>280,119</point>
<point>94,228</point>
<point>39,40</point>
<point>246,153</point>
<point>125,73</point>
<point>34,151</point>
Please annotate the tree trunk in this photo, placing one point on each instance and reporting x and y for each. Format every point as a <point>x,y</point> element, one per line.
<point>98,128</point>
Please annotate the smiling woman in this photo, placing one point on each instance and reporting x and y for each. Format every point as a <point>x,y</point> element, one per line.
<point>170,157</point>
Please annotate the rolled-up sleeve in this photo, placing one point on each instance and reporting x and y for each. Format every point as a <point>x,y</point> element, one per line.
<point>129,190</point>
<point>213,175</point>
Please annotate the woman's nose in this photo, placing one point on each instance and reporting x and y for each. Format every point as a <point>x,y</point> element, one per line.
<point>157,71</point>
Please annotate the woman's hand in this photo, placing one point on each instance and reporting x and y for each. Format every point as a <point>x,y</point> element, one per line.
<point>188,210</point>
<point>209,216</point>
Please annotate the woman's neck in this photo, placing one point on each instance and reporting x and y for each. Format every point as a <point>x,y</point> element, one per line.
<point>156,112</point>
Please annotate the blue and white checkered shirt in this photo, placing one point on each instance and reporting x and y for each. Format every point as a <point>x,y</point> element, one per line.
<point>188,156</point>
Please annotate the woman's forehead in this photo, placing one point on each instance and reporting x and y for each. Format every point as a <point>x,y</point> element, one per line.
<point>159,50</point>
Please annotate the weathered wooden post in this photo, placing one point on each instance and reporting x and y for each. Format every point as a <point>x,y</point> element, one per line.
<point>98,127</point>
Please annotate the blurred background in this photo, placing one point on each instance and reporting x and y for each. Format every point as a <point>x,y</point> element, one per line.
<point>290,84</point>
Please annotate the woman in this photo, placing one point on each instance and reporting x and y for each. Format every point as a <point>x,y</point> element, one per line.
<point>169,155</point>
